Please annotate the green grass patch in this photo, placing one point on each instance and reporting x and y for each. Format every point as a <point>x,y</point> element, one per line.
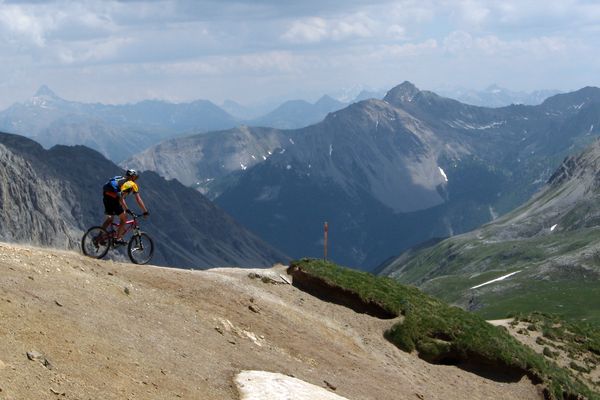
<point>467,255</point>
<point>573,301</point>
<point>444,334</point>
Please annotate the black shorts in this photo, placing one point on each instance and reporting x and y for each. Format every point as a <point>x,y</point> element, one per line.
<point>112,206</point>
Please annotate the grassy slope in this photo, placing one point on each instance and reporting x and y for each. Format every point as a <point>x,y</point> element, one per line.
<point>571,259</point>
<point>440,332</point>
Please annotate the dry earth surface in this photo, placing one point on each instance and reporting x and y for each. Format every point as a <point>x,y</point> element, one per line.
<point>102,329</point>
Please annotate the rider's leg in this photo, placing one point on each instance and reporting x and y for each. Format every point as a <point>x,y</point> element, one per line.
<point>107,221</point>
<point>122,225</point>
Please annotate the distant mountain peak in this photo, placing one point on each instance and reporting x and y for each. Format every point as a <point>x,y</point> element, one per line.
<point>403,93</point>
<point>45,91</point>
<point>328,101</point>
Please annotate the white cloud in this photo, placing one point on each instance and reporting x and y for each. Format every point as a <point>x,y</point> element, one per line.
<point>310,30</point>
<point>457,41</point>
<point>17,25</point>
<point>316,29</point>
<point>473,12</point>
<point>409,49</point>
<point>396,31</point>
<point>92,51</point>
<point>461,43</point>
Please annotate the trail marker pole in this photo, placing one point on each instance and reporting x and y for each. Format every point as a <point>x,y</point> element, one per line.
<point>325,232</point>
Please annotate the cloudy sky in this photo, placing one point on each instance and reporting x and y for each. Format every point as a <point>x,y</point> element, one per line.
<point>254,50</point>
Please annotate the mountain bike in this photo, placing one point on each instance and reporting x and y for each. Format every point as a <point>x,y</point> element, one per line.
<point>97,241</point>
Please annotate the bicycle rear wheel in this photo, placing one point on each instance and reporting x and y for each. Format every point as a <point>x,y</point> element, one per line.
<point>95,242</point>
<point>140,248</point>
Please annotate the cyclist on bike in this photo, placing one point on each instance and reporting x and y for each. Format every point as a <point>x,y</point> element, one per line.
<point>114,193</point>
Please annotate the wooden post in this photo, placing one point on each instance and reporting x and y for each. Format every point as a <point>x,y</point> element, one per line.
<point>325,231</point>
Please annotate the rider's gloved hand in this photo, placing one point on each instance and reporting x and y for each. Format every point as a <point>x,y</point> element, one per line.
<point>146,213</point>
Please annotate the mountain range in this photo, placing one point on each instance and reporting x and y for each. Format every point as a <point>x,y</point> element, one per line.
<point>389,174</point>
<point>496,96</point>
<point>298,113</point>
<point>119,131</point>
<point>49,197</point>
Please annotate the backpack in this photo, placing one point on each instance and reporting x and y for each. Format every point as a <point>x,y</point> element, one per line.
<point>114,184</point>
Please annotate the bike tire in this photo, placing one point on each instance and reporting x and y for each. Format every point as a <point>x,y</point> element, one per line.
<point>95,242</point>
<point>140,248</point>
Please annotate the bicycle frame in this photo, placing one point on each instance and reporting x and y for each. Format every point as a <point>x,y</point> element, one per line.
<point>131,224</point>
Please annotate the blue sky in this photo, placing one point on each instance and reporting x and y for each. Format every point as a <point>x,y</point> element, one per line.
<point>250,51</point>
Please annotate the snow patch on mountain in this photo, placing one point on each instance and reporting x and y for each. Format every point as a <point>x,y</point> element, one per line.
<point>497,279</point>
<point>466,125</point>
<point>443,174</point>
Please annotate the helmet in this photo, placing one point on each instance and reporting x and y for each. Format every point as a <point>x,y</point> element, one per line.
<point>131,173</point>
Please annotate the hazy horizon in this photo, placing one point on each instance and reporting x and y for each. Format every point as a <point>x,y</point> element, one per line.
<point>260,51</point>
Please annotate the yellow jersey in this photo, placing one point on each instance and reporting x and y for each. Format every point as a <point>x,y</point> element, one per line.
<point>129,187</point>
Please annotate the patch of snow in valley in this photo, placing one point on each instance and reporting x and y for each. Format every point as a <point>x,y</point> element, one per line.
<point>493,213</point>
<point>262,385</point>
<point>496,280</point>
<point>443,174</point>
<point>330,150</point>
<point>291,141</point>
<point>282,151</point>
<point>591,128</point>
<point>579,106</point>
<point>553,227</point>
<point>264,158</point>
<point>243,166</point>
<point>288,167</point>
<point>252,155</point>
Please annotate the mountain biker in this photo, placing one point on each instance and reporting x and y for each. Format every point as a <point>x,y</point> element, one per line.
<point>114,193</point>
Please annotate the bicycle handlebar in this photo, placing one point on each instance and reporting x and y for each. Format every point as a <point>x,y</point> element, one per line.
<point>134,215</point>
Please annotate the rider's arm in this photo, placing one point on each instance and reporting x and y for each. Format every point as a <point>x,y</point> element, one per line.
<point>122,201</point>
<point>140,202</point>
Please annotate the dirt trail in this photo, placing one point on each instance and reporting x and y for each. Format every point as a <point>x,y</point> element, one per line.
<point>119,331</point>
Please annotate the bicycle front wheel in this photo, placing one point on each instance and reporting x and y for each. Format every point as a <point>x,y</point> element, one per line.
<point>95,242</point>
<point>140,248</point>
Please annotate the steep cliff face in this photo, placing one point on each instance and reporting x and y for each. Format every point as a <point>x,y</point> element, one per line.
<point>32,205</point>
<point>50,197</point>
